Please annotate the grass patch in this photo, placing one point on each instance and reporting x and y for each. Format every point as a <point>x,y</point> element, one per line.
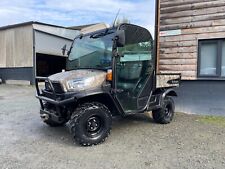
<point>219,121</point>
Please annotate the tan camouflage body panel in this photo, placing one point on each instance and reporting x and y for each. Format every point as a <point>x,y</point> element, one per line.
<point>96,78</point>
<point>167,80</point>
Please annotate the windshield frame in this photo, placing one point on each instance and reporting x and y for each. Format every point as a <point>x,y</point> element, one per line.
<point>99,34</point>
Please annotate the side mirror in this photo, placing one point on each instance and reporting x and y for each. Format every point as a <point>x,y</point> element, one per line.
<point>120,38</point>
<point>64,50</point>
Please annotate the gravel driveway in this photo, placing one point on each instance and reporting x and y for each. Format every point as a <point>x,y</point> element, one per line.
<point>190,141</point>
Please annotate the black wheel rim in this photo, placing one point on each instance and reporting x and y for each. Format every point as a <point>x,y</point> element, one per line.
<point>168,111</point>
<point>93,125</point>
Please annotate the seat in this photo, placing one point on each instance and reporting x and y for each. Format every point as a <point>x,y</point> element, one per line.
<point>128,76</point>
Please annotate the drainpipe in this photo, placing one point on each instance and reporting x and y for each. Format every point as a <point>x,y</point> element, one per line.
<point>157,31</point>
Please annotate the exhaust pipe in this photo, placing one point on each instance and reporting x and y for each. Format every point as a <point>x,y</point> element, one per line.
<point>44,117</point>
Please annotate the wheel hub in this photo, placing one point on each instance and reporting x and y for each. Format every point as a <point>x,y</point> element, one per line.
<point>93,124</point>
<point>167,111</point>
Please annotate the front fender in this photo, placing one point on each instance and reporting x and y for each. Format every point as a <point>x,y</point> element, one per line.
<point>102,97</point>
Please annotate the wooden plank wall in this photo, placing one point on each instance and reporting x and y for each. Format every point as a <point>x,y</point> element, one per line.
<point>195,19</point>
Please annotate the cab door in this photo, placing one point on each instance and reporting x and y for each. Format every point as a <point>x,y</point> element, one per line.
<point>134,76</point>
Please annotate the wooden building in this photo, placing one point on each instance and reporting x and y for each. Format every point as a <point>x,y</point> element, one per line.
<point>192,42</point>
<point>192,38</point>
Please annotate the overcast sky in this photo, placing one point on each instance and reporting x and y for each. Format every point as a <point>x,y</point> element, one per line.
<point>76,12</point>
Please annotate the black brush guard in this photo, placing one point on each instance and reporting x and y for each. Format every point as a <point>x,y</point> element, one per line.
<point>55,99</point>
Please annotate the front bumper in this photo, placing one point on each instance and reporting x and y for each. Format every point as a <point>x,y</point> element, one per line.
<point>45,115</point>
<point>55,102</point>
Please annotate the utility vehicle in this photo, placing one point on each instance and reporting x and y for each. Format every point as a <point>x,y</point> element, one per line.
<point>109,72</point>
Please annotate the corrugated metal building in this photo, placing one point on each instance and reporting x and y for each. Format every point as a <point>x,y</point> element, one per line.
<point>33,49</point>
<point>192,42</point>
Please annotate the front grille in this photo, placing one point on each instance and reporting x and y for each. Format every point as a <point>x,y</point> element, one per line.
<point>56,85</point>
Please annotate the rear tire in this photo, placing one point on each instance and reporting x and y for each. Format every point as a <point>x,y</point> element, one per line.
<point>90,124</point>
<point>165,114</point>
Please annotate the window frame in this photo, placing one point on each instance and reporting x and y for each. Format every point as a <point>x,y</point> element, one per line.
<point>218,58</point>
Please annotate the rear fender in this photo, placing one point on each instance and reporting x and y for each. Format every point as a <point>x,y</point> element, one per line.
<point>169,92</point>
<point>159,96</point>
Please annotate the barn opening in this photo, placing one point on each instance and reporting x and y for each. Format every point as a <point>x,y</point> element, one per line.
<point>47,65</point>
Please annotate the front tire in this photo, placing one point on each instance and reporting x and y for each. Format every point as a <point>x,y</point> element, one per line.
<point>90,124</point>
<point>165,114</point>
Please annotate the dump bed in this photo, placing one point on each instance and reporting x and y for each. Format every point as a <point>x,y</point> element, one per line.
<point>168,80</point>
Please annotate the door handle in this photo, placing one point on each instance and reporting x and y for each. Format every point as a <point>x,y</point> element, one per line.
<point>117,90</point>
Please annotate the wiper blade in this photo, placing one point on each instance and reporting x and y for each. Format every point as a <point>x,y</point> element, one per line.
<point>98,35</point>
<point>94,68</point>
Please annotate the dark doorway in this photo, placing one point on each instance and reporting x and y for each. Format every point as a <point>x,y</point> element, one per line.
<point>47,65</point>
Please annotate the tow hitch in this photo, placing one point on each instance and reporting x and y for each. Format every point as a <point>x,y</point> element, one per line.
<point>44,117</point>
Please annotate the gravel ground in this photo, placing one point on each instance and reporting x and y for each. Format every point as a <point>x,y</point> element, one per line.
<point>190,141</point>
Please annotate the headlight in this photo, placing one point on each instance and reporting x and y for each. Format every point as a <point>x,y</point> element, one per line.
<point>81,84</point>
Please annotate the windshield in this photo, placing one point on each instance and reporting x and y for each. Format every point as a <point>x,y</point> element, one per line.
<point>92,52</point>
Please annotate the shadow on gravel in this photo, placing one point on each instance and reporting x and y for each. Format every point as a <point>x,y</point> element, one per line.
<point>135,118</point>
<point>131,122</point>
<point>62,134</point>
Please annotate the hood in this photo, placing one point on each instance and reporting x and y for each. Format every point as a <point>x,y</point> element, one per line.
<point>95,77</point>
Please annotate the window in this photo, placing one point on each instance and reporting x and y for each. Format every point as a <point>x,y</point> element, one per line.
<point>223,60</point>
<point>211,61</point>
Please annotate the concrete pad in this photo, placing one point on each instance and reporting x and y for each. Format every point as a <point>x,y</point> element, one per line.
<point>17,82</point>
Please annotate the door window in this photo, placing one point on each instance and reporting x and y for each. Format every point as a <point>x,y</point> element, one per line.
<point>133,67</point>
